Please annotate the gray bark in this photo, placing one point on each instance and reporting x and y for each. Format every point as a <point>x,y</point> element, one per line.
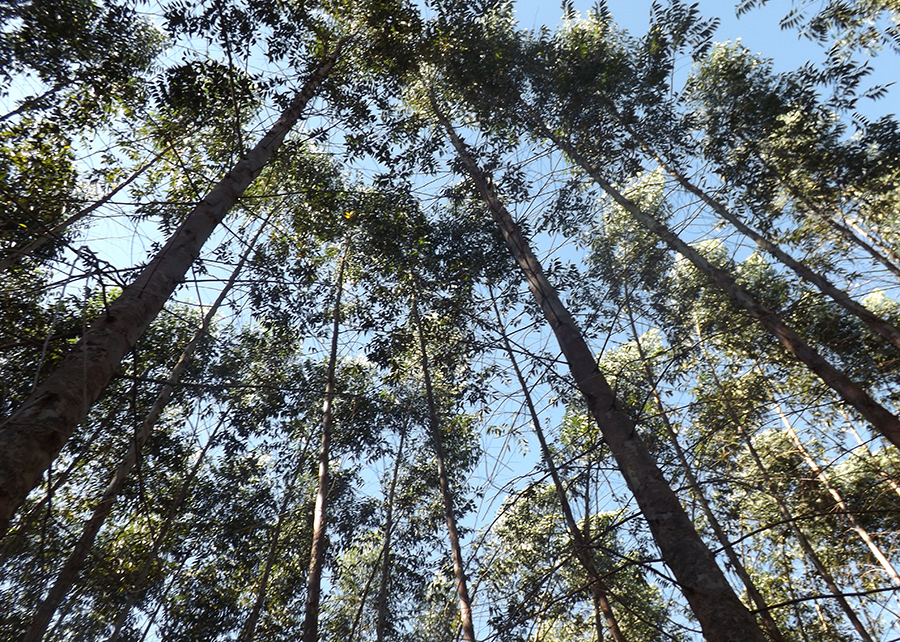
<point>32,436</point>
<point>876,414</point>
<point>721,614</point>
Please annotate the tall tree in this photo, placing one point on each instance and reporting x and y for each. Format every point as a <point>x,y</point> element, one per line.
<point>713,602</point>
<point>33,434</point>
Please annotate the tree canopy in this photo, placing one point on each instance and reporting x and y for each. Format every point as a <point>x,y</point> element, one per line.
<point>380,320</point>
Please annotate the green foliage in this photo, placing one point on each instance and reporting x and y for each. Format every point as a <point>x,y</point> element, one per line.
<point>367,187</point>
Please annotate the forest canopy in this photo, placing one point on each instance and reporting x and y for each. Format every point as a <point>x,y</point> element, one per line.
<point>377,320</point>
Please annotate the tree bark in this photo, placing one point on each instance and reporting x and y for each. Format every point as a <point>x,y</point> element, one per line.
<point>583,551</point>
<point>32,436</point>
<point>381,619</point>
<point>248,632</point>
<point>876,414</point>
<point>462,588</point>
<point>320,516</point>
<point>721,614</point>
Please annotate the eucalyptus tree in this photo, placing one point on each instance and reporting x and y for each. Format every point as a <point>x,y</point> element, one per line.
<point>730,411</point>
<point>37,546</point>
<point>712,599</point>
<point>305,38</point>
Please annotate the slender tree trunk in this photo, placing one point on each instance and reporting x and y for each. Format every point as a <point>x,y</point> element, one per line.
<point>34,101</point>
<point>167,391</point>
<point>248,632</point>
<point>53,233</point>
<point>75,561</point>
<point>872,320</point>
<point>855,526</point>
<point>462,589</point>
<point>320,517</point>
<point>876,253</point>
<point>878,244</point>
<point>752,591</point>
<point>883,420</point>
<point>783,508</point>
<point>583,551</point>
<point>355,628</point>
<point>721,614</point>
<point>32,436</point>
<point>381,621</point>
<point>887,475</point>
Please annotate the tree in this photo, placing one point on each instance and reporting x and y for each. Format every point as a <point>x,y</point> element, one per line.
<point>499,344</point>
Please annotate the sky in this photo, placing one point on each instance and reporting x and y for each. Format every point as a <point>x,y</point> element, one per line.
<point>757,29</point>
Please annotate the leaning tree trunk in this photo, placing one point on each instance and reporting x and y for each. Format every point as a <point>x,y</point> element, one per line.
<point>721,614</point>
<point>32,436</point>
<point>162,535</point>
<point>248,632</point>
<point>163,399</point>
<point>75,561</point>
<point>851,392</point>
<point>584,552</point>
<point>459,571</point>
<point>762,608</point>
<point>783,508</point>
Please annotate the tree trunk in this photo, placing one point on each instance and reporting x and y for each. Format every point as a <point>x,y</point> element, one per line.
<point>75,561</point>
<point>32,436</point>
<point>462,589</point>
<point>783,508</point>
<point>320,517</point>
<point>161,536</point>
<point>883,420</point>
<point>721,614</point>
<point>162,400</point>
<point>381,619</point>
<point>27,519</point>
<point>583,551</point>
<point>872,320</point>
<point>736,563</point>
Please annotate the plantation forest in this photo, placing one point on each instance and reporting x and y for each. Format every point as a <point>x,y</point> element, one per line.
<point>375,320</point>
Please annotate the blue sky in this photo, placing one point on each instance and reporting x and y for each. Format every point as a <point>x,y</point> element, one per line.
<point>757,29</point>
